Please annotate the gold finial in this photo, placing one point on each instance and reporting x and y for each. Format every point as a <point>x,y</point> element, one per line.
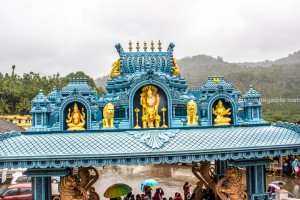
<point>159,45</point>
<point>145,46</point>
<point>137,46</point>
<point>152,46</point>
<point>130,45</point>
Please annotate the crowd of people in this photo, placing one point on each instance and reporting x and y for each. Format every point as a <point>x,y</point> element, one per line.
<point>159,194</point>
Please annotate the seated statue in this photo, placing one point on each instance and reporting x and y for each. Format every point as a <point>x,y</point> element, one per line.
<point>76,120</point>
<point>150,102</point>
<point>108,114</point>
<point>191,110</point>
<point>220,113</point>
<point>115,70</point>
<point>176,71</point>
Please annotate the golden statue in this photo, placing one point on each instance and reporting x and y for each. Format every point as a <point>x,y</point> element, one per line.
<point>108,114</point>
<point>79,187</point>
<point>76,120</point>
<point>150,102</point>
<point>191,110</point>
<point>115,70</point>
<point>176,71</point>
<point>234,187</point>
<point>220,113</point>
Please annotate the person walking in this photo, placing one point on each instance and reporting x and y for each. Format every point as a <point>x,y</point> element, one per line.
<point>186,189</point>
<point>158,195</point>
<point>296,165</point>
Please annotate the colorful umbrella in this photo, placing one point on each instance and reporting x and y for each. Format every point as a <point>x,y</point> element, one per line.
<point>150,182</point>
<point>117,190</point>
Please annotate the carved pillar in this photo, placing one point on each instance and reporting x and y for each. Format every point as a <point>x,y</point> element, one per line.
<point>41,181</point>
<point>41,188</point>
<point>255,177</point>
<point>256,182</point>
<point>220,166</point>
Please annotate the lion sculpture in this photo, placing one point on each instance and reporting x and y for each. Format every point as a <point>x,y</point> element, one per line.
<point>191,110</point>
<point>108,114</point>
<point>234,188</point>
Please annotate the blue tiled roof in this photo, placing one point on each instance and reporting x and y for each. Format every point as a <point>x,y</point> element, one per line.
<point>207,143</point>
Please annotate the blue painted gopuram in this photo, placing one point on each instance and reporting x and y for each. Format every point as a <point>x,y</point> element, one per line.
<point>148,116</point>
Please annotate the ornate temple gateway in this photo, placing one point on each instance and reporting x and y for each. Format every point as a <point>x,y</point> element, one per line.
<point>148,117</point>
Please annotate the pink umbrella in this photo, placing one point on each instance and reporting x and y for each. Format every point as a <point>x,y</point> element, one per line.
<point>274,186</point>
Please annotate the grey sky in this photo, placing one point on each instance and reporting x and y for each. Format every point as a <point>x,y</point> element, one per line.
<point>70,35</point>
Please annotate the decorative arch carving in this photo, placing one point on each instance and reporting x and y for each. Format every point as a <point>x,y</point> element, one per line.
<point>226,97</point>
<point>69,100</point>
<point>162,86</point>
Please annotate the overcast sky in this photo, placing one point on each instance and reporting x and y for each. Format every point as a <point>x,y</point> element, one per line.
<point>70,35</point>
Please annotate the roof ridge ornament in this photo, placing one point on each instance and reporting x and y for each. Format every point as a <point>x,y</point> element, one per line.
<point>287,125</point>
<point>159,46</point>
<point>155,139</point>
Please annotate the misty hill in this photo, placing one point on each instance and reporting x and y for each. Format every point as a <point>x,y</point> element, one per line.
<point>276,80</point>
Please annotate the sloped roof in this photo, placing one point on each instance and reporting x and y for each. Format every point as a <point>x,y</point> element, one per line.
<point>151,146</point>
<point>6,126</point>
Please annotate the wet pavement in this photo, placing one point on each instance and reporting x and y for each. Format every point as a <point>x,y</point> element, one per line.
<point>171,178</point>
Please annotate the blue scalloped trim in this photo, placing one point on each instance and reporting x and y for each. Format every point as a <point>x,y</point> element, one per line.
<point>290,126</point>
<point>86,162</point>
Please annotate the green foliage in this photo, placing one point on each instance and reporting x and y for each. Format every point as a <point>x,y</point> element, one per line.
<point>16,91</point>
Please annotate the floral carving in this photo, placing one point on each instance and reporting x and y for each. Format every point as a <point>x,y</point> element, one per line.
<point>154,138</point>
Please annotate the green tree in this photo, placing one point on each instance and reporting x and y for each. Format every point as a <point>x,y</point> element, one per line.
<point>24,106</point>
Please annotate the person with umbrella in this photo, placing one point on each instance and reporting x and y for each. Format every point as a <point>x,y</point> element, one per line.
<point>117,190</point>
<point>147,186</point>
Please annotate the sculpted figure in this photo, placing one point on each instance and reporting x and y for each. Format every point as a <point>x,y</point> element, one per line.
<point>115,70</point>
<point>76,119</point>
<point>71,190</point>
<point>176,71</point>
<point>205,173</point>
<point>234,186</point>
<point>150,101</point>
<point>108,114</point>
<point>79,187</point>
<point>220,113</point>
<point>191,110</point>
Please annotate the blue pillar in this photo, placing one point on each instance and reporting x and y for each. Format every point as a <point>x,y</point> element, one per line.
<point>220,169</point>
<point>41,181</point>
<point>256,182</point>
<point>41,188</point>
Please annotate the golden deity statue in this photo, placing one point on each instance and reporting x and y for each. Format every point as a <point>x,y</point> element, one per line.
<point>108,114</point>
<point>115,70</point>
<point>176,71</point>
<point>191,110</point>
<point>76,119</point>
<point>220,113</point>
<point>150,102</point>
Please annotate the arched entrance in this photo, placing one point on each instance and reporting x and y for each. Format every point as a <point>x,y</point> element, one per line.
<point>164,102</point>
<point>75,116</point>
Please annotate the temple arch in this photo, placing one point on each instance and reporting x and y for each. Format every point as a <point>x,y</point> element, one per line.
<point>64,107</point>
<point>134,93</point>
<point>227,98</point>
